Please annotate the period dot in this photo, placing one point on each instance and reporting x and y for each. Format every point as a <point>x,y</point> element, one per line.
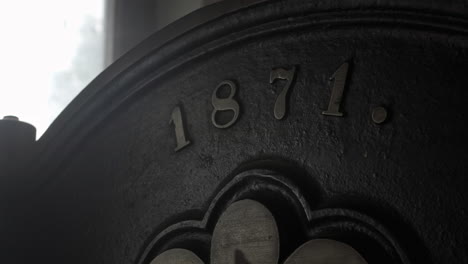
<point>379,115</point>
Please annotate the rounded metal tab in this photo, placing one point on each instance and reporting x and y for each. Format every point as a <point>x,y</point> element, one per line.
<point>245,233</point>
<point>9,117</point>
<point>325,251</point>
<point>177,256</point>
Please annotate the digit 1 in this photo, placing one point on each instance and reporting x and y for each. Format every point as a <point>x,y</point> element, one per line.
<point>280,104</point>
<point>178,121</point>
<point>339,82</point>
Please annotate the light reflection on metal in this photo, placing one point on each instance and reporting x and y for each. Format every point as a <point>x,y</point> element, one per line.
<point>247,232</point>
<point>177,256</point>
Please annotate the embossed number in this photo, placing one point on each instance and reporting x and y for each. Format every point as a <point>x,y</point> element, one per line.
<point>280,104</point>
<point>225,104</point>
<point>339,82</point>
<point>177,120</point>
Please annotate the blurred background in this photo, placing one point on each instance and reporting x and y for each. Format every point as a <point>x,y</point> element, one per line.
<point>51,49</point>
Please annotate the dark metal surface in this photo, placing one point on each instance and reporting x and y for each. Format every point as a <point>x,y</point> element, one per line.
<point>17,139</point>
<point>107,186</point>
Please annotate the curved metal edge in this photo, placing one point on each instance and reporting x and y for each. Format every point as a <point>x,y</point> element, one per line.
<point>221,201</point>
<point>89,107</point>
<point>152,43</point>
<point>366,222</point>
<point>210,13</point>
<point>97,102</point>
<point>58,138</point>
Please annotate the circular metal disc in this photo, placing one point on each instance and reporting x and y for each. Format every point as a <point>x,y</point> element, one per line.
<point>325,251</point>
<point>245,233</point>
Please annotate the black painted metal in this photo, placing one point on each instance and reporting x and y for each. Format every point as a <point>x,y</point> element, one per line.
<point>17,140</point>
<point>107,185</point>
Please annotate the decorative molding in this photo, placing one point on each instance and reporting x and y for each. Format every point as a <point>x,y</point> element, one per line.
<point>246,233</point>
<point>256,211</point>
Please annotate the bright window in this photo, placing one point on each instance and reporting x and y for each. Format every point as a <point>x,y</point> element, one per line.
<point>49,51</point>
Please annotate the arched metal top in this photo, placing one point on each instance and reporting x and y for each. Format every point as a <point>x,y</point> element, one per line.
<point>110,88</point>
<point>217,10</point>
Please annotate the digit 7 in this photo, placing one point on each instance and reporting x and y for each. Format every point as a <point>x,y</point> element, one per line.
<point>280,104</point>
